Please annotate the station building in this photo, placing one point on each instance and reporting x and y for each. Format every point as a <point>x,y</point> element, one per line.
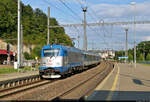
<point>4,56</point>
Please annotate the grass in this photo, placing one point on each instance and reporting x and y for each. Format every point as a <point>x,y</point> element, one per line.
<point>7,70</point>
<point>144,64</point>
<point>12,70</point>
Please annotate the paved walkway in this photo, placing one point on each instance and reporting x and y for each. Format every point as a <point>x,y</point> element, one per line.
<point>17,75</point>
<point>124,83</point>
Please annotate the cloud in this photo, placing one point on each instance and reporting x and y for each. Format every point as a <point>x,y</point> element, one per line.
<point>122,10</point>
<point>147,38</point>
<point>141,28</point>
<point>110,12</point>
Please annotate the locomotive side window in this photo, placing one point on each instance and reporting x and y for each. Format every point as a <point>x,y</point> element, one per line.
<point>51,52</point>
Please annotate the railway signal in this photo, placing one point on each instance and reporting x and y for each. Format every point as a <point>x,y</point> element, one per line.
<point>8,50</point>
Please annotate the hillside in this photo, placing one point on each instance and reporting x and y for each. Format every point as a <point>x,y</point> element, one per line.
<point>34,25</point>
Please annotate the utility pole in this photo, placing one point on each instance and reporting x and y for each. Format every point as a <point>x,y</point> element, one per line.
<point>92,45</point>
<point>85,36</point>
<point>8,54</point>
<point>48,23</point>
<point>144,52</point>
<point>22,56</point>
<point>19,41</point>
<point>134,4</point>
<point>78,41</point>
<point>126,53</point>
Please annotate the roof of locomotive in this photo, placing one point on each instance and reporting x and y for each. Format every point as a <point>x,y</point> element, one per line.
<point>54,46</point>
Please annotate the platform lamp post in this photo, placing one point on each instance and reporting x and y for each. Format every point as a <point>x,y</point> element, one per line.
<point>126,44</point>
<point>85,28</point>
<point>144,52</point>
<point>134,5</point>
<point>78,41</point>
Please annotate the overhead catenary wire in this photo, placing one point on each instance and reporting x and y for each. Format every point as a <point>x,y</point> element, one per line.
<point>76,14</point>
<point>82,8</point>
<point>27,2</point>
<point>94,17</point>
<point>59,9</point>
<point>80,3</point>
<point>91,16</point>
<point>96,32</point>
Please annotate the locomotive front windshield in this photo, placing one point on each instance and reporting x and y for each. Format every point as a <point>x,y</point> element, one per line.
<point>51,52</point>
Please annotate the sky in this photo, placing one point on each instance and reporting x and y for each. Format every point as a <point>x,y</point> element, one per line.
<point>100,37</point>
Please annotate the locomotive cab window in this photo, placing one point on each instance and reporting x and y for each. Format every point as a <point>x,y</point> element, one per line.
<point>51,52</point>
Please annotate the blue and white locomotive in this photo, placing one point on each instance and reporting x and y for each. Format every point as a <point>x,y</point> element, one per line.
<point>58,60</point>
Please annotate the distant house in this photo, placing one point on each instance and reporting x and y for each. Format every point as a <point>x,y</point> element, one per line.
<point>4,55</point>
<point>107,54</point>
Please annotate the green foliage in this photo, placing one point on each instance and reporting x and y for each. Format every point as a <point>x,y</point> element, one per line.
<point>148,57</point>
<point>34,25</point>
<point>7,70</point>
<point>130,57</point>
<point>12,70</point>
<point>141,57</point>
<point>119,54</point>
<point>27,56</point>
<point>143,49</point>
<point>36,52</point>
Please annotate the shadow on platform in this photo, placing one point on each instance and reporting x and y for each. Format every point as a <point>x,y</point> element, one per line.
<point>139,81</point>
<point>120,95</point>
<point>139,96</point>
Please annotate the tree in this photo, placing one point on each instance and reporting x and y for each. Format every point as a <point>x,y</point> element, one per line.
<point>141,57</point>
<point>119,54</point>
<point>130,57</point>
<point>27,56</point>
<point>34,23</point>
<point>36,52</point>
<point>148,57</point>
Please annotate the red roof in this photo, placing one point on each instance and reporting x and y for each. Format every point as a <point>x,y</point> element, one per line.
<point>4,52</point>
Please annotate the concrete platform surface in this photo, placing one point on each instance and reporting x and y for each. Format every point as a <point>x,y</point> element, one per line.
<point>17,75</point>
<point>125,82</point>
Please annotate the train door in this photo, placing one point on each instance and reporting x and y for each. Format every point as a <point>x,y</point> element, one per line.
<point>65,59</point>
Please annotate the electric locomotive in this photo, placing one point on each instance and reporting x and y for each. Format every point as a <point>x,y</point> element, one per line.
<point>58,60</point>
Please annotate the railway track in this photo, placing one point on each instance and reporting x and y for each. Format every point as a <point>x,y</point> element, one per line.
<point>15,86</point>
<point>72,92</point>
<point>15,90</point>
<point>60,89</point>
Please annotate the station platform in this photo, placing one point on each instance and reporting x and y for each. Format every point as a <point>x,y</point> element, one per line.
<point>9,76</point>
<point>125,82</point>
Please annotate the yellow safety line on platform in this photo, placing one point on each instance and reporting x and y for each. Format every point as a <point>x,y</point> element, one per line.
<point>100,86</point>
<point>104,81</point>
<point>114,85</point>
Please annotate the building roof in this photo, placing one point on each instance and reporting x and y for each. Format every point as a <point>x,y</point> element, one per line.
<point>4,52</point>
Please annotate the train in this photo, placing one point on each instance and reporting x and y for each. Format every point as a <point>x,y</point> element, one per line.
<point>59,61</point>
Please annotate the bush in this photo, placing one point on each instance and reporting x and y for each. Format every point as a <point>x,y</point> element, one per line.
<point>148,57</point>
<point>141,57</point>
<point>36,52</point>
<point>130,57</point>
<point>27,56</point>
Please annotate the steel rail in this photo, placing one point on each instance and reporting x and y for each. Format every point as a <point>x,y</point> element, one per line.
<point>7,84</point>
<point>78,85</point>
<point>18,90</point>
